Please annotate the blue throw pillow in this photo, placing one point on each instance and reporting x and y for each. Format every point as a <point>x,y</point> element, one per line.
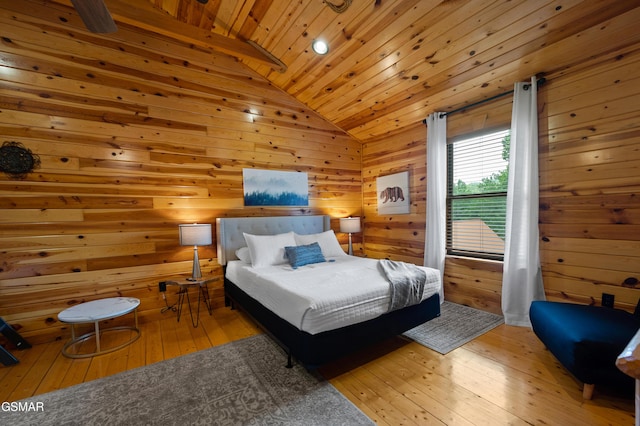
<point>304,255</point>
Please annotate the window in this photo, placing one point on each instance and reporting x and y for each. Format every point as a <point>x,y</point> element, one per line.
<point>477,176</point>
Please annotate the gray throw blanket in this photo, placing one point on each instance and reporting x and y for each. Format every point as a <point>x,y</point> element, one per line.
<point>407,282</point>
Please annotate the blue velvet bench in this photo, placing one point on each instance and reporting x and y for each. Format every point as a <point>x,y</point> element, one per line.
<point>586,340</point>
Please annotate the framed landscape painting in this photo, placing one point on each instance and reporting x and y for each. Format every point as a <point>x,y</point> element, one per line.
<point>393,194</point>
<point>275,188</point>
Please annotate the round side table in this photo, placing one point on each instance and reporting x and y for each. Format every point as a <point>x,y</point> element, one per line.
<point>94,312</point>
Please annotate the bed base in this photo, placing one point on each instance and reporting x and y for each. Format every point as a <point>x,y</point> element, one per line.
<point>314,350</point>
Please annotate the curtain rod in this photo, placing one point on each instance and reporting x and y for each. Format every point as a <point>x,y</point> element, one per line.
<point>540,82</point>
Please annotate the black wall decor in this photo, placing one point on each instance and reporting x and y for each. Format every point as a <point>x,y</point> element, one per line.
<point>16,160</point>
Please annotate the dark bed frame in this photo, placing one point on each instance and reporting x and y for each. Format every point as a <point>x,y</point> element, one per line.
<point>312,350</point>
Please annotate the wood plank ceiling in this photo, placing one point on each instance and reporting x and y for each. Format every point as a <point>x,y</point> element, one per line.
<point>392,62</point>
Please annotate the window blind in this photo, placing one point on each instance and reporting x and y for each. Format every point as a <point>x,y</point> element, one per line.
<point>477,195</point>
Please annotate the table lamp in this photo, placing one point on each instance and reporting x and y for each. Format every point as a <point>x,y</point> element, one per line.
<point>350,225</point>
<point>195,235</point>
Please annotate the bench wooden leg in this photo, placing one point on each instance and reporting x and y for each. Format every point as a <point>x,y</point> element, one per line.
<point>6,357</point>
<point>587,390</point>
<point>14,337</point>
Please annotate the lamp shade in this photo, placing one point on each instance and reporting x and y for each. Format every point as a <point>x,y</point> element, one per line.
<point>196,234</point>
<point>350,224</point>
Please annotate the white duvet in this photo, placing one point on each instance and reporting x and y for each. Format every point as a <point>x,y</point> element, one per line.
<point>323,296</point>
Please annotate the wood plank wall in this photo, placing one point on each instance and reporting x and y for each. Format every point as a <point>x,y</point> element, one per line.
<point>137,133</point>
<point>589,181</point>
<point>401,237</point>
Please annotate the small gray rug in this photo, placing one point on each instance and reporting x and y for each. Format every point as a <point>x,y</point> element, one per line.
<point>456,325</point>
<point>239,383</point>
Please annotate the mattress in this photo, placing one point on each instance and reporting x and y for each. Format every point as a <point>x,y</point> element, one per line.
<point>343,291</point>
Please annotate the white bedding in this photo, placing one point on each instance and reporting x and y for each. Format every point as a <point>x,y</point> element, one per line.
<point>323,296</point>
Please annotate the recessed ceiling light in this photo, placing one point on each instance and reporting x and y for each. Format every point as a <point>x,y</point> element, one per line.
<point>320,47</point>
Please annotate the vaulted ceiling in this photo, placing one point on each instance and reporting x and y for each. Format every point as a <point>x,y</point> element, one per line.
<point>392,62</point>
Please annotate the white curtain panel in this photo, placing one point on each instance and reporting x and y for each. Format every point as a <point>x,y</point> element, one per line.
<point>522,276</point>
<point>435,239</point>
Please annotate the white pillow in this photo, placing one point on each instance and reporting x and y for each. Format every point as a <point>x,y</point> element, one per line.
<point>267,250</point>
<point>327,241</point>
<point>244,254</point>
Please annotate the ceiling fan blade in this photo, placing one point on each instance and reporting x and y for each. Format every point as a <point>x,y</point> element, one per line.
<point>95,15</point>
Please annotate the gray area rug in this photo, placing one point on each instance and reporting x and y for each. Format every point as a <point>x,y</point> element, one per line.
<point>456,325</point>
<point>239,383</point>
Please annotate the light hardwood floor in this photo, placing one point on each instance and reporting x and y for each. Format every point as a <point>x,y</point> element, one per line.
<point>503,377</point>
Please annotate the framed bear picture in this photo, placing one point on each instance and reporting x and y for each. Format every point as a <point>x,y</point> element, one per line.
<point>393,194</point>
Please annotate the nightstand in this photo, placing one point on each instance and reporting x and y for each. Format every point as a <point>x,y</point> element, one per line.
<point>183,292</point>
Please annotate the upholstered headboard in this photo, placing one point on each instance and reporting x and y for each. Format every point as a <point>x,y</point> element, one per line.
<point>230,231</point>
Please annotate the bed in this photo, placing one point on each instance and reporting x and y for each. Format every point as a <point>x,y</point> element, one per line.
<point>312,338</point>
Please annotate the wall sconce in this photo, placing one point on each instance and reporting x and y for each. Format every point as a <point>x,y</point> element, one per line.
<point>195,235</point>
<point>350,225</point>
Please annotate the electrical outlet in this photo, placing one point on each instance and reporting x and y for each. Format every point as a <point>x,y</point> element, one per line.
<point>608,300</point>
<point>162,286</point>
